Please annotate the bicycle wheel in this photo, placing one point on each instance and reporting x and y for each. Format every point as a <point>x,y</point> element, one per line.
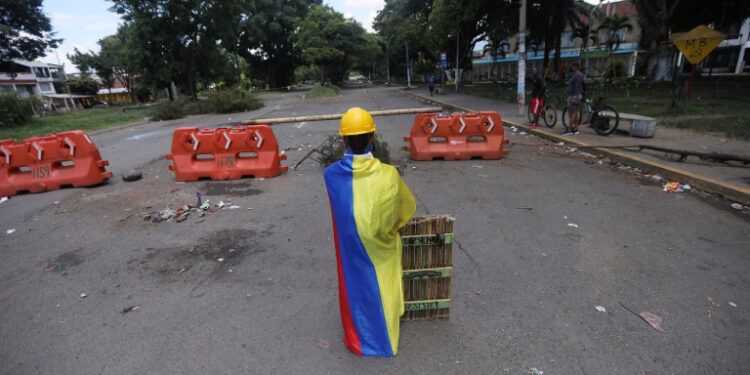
<point>566,118</point>
<point>550,116</point>
<point>605,120</point>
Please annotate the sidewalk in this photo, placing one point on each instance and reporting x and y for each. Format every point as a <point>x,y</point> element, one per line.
<point>730,181</point>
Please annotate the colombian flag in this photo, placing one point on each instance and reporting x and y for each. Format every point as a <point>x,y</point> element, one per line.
<point>369,203</point>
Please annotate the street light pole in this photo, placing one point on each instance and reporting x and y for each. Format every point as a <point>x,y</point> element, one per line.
<point>521,95</point>
<point>387,60</point>
<point>408,67</point>
<point>458,71</point>
<point>588,35</point>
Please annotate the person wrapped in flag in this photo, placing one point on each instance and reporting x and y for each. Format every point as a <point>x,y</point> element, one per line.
<point>369,204</point>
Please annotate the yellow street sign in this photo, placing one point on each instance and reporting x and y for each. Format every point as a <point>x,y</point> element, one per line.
<point>697,43</point>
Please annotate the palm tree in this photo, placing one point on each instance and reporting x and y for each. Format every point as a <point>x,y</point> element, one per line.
<point>612,25</point>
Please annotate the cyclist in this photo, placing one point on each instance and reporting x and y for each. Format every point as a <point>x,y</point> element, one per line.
<point>538,87</point>
<point>574,99</point>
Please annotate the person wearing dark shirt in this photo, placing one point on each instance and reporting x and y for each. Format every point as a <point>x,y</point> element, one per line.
<point>538,88</point>
<point>431,84</point>
<point>574,99</point>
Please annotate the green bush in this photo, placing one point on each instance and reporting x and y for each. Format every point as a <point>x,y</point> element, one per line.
<point>233,100</point>
<point>322,91</point>
<point>14,110</point>
<point>168,110</point>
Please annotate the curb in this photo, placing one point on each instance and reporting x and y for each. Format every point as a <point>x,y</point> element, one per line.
<point>704,183</point>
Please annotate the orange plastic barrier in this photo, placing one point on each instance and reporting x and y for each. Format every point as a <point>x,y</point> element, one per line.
<point>225,153</point>
<point>457,137</point>
<point>50,162</point>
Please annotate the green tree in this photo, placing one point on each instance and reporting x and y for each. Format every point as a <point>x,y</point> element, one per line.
<point>88,62</point>
<point>115,61</point>
<point>329,40</point>
<point>83,85</point>
<point>174,41</point>
<point>261,32</point>
<point>611,26</point>
<point>25,32</point>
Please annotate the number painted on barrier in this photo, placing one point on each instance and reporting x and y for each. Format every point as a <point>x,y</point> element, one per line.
<point>40,172</point>
<point>225,161</point>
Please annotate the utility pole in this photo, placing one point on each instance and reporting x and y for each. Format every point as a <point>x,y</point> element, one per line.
<point>458,74</point>
<point>408,67</point>
<point>588,35</point>
<point>522,59</point>
<point>387,62</point>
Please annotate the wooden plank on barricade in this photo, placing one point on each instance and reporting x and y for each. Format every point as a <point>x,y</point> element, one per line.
<point>427,266</point>
<point>335,116</point>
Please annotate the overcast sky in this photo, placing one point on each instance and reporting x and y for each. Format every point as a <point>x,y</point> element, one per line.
<point>81,23</point>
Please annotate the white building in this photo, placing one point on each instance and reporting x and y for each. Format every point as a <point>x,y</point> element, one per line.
<point>32,78</point>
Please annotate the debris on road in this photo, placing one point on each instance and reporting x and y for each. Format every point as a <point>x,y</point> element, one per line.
<point>132,175</point>
<point>220,260</point>
<point>600,308</point>
<point>129,309</point>
<point>672,187</point>
<point>323,344</point>
<point>234,207</point>
<point>653,320</point>
<point>3,199</point>
<point>737,206</point>
<point>83,295</point>
<point>477,292</point>
<point>732,304</point>
<point>513,129</point>
<point>535,371</point>
<point>10,231</point>
<point>198,195</point>
<point>713,303</point>
<point>573,225</point>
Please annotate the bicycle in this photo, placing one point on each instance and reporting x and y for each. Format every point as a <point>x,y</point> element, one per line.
<point>603,118</point>
<point>548,114</point>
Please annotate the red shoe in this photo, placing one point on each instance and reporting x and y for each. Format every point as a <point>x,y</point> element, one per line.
<point>534,126</point>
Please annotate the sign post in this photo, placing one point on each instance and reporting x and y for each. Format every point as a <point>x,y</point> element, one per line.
<point>443,65</point>
<point>695,45</point>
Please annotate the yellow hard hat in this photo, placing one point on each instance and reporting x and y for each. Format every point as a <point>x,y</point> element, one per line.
<point>356,121</point>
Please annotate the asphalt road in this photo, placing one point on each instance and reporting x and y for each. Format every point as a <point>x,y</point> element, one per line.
<point>525,288</point>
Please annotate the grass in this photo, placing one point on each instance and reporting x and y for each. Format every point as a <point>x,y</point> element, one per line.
<point>707,111</point>
<point>87,120</point>
<point>323,91</point>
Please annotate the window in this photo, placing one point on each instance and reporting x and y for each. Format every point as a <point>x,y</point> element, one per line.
<point>45,86</point>
<point>8,88</point>
<point>41,72</point>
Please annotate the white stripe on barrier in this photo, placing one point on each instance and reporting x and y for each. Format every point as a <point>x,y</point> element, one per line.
<point>71,145</point>
<point>434,125</point>
<point>87,138</point>
<point>7,154</point>
<point>463,125</point>
<point>229,141</point>
<point>195,140</point>
<point>260,139</point>
<point>38,150</point>
<point>492,124</point>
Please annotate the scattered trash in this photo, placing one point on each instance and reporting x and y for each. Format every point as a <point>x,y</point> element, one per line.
<point>199,196</point>
<point>477,292</point>
<point>205,205</point>
<point>10,231</point>
<point>323,344</point>
<point>249,208</point>
<point>513,129</point>
<point>3,199</point>
<point>231,250</point>
<point>600,162</point>
<point>600,308</point>
<point>129,309</point>
<point>183,269</point>
<point>588,155</point>
<point>522,133</point>
<point>588,162</point>
<point>732,304</point>
<point>672,187</point>
<point>656,177</point>
<point>478,166</point>
<point>713,303</point>
<point>535,371</point>
<point>221,204</point>
<point>736,206</point>
<point>220,260</point>
<point>234,207</point>
<point>686,187</point>
<point>573,225</point>
<point>572,149</point>
<point>132,175</point>
<point>560,143</point>
<point>653,320</point>
<point>50,268</point>
<point>56,203</point>
<point>83,295</point>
